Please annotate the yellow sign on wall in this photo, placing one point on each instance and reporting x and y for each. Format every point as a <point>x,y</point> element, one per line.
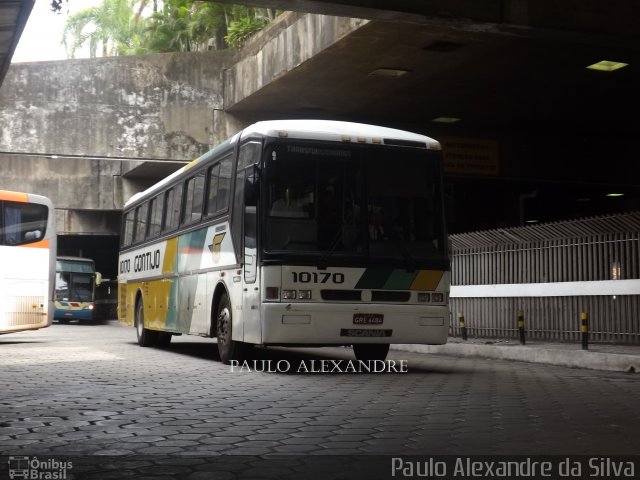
<point>470,156</point>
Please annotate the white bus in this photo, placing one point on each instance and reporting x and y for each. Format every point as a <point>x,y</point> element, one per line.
<point>293,233</point>
<point>27,261</point>
<point>76,282</point>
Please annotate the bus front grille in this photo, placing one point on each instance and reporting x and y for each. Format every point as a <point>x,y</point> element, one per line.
<point>357,296</point>
<point>390,296</point>
<point>341,295</point>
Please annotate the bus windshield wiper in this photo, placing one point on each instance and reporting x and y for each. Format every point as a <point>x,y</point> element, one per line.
<point>400,245</point>
<point>332,248</point>
<point>335,241</point>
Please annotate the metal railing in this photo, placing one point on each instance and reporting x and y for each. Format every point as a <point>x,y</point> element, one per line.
<point>552,272</point>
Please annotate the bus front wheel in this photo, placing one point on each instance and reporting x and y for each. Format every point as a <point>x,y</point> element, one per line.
<point>371,351</point>
<point>146,337</point>
<point>227,348</point>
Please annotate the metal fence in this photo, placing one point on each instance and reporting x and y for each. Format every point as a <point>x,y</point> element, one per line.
<point>553,272</point>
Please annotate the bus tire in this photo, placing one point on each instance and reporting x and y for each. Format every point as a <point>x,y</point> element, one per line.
<point>228,349</point>
<point>146,337</point>
<point>164,339</point>
<point>371,351</point>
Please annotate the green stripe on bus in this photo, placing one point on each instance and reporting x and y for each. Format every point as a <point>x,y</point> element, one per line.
<point>400,280</point>
<point>374,278</point>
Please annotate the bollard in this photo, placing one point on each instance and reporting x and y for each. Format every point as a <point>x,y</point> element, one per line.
<point>521,326</point>
<point>461,324</point>
<point>584,330</point>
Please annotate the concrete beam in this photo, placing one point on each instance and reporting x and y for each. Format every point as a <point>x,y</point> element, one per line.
<point>594,16</point>
<point>285,45</point>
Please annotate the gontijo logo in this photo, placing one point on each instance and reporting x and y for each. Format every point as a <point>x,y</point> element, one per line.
<point>142,262</point>
<point>216,246</point>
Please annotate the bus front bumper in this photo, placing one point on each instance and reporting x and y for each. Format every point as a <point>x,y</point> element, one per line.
<point>339,324</point>
<point>82,315</point>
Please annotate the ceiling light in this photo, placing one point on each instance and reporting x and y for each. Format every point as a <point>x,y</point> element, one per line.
<point>613,194</point>
<point>389,72</point>
<point>607,66</point>
<point>445,120</point>
<point>531,221</point>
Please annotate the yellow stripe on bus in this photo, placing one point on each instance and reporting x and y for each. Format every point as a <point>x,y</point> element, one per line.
<point>168,264</point>
<point>427,280</point>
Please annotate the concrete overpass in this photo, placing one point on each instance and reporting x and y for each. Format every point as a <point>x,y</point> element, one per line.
<point>13,18</point>
<point>548,134</point>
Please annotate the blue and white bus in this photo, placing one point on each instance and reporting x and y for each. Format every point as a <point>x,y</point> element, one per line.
<point>76,281</point>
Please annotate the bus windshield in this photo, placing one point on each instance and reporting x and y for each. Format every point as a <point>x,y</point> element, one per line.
<point>74,281</point>
<point>22,223</point>
<point>371,201</point>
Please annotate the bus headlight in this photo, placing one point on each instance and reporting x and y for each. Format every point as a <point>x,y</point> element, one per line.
<point>437,297</point>
<point>423,297</point>
<point>304,294</point>
<point>288,294</point>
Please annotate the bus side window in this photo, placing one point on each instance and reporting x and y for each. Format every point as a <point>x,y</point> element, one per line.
<point>127,234</point>
<point>173,208</point>
<point>238,214</point>
<point>141,222</point>
<point>193,199</point>
<point>212,190</point>
<point>22,223</point>
<point>249,154</point>
<point>155,220</point>
<point>224,184</point>
<point>198,198</point>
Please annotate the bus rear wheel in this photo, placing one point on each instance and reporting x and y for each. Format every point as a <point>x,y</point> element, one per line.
<point>146,337</point>
<point>371,351</point>
<point>164,339</point>
<point>228,349</point>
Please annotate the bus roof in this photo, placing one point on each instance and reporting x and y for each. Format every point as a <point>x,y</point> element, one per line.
<point>328,130</point>
<point>322,130</point>
<point>11,196</point>
<point>75,259</point>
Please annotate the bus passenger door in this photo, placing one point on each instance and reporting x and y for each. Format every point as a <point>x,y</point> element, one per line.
<point>250,283</point>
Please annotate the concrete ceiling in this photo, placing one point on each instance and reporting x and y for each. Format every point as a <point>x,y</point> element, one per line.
<point>490,81</point>
<point>513,70</point>
<point>490,74</point>
<point>13,18</point>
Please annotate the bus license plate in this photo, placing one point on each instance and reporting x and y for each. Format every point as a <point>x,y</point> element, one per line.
<point>361,332</point>
<point>368,318</point>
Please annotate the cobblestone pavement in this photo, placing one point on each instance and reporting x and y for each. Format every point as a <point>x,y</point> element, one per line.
<point>89,390</point>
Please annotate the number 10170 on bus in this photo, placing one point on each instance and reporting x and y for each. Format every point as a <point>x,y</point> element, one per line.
<point>293,233</point>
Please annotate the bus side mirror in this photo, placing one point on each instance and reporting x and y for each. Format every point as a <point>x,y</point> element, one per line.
<point>98,279</point>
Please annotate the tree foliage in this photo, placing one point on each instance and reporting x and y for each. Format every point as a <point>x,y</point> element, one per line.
<point>125,27</point>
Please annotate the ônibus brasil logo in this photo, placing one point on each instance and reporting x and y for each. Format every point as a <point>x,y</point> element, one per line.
<point>33,468</point>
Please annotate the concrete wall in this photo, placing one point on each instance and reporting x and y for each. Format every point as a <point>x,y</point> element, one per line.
<point>158,106</point>
<point>287,43</point>
<point>164,106</point>
<point>76,130</point>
